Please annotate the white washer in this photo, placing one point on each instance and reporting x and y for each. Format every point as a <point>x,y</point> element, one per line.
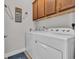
<point>51,45</point>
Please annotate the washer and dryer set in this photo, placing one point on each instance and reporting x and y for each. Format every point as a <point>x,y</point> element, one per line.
<point>54,43</point>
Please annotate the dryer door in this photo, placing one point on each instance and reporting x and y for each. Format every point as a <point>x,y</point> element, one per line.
<point>43,51</point>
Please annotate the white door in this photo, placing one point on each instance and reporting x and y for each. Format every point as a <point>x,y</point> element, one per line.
<point>42,51</point>
<point>14,32</point>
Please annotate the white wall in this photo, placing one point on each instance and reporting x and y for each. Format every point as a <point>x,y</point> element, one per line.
<point>16,31</point>
<point>59,21</point>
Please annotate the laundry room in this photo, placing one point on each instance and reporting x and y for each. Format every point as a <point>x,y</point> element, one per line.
<point>39,29</point>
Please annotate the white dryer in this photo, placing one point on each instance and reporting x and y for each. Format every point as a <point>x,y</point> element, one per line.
<point>53,45</point>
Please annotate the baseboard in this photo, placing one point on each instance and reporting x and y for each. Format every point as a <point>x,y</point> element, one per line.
<point>28,55</point>
<point>14,52</point>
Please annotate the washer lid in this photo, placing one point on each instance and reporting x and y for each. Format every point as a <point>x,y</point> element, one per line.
<point>50,34</point>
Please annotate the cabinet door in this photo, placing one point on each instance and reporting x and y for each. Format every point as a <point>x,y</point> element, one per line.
<point>50,7</point>
<point>35,10</point>
<point>65,4</point>
<point>40,8</point>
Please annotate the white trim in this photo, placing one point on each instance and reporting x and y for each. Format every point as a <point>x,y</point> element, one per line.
<point>14,52</point>
<point>28,55</point>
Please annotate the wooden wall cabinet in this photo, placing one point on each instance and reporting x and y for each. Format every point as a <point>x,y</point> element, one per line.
<point>64,4</point>
<point>50,7</point>
<point>34,6</point>
<point>41,8</point>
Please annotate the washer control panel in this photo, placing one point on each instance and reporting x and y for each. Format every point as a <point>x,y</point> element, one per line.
<point>61,30</point>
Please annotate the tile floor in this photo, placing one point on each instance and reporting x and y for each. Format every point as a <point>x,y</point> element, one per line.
<point>19,56</point>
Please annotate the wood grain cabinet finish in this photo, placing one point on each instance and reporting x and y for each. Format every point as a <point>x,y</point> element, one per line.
<point>35,10</point>
<point>41,8</point>
<point>65,4</point>
<point>50,7</point>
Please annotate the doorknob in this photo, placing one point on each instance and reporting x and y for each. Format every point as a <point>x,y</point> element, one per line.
<point>5,36</point>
